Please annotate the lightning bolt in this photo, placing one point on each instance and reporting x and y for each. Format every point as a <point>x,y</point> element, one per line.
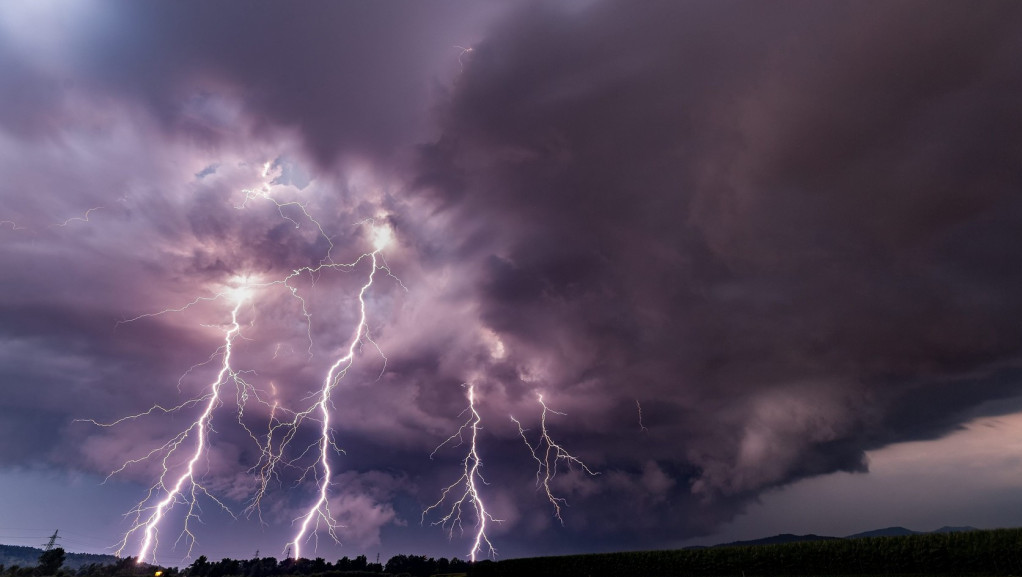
<point>642,427</point>
<point>283,424</point>
<point>186,488</point>
<point>320,510</point>
<point>471,475</point>
<point>83,218</point>
<point>265,191</point>
<point>463,50</point>
<point>14,225</point>
<point>552,454</point>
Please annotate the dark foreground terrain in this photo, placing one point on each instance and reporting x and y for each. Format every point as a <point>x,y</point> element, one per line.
<point>975,553</point>
<point>987,553</point>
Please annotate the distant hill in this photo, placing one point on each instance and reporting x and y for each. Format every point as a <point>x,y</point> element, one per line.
<point>11,555</point>
<point>901,531</point>
<point>946,529</point>
<point>778,539</point>
<point>887,532</point>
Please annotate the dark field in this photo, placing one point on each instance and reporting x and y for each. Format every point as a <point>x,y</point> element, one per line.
<point>975,553</point>
<point>979,553</point>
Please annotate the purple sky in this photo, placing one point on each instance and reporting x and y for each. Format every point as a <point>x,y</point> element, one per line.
<point>763,259</point>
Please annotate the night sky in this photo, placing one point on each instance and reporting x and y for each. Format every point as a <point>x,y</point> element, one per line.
<point>762,260</point>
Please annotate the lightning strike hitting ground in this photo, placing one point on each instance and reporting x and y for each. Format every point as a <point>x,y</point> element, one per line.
<point>471,474</point>
<point>551,455</point>
<point>185,487</point>
<point>320,510</point>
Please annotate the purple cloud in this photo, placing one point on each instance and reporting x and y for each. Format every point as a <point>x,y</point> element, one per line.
<point>788,233</point>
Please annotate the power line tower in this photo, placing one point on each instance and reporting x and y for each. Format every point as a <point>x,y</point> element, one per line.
<point>53,540</point>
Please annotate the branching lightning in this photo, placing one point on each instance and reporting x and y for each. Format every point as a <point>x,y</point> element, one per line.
<point>467,484</point>
<point>319,512</point>
<point>547,455</point>
<point>463,50</point>
<point>201,428</point>
<point>180,481</point>
<point>182,484</point>
<point>186,488</point>
<point>642,427</point>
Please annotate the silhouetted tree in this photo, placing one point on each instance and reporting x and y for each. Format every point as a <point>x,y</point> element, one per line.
<point>200,567</point>
<point>458,566</point>
<point>226,567</point>
<point>343,564</point>
<point>359,564</point>
<point>50,561</point>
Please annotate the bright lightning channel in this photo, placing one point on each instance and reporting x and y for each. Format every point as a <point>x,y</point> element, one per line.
<point>552,454</point>
<point>320,510</point>
<point>283,423</point>
<point>186,488</point>
<point>471,475</point>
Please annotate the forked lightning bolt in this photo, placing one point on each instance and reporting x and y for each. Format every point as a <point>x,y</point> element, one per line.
<point>320,510</point>
<point>552,454</point>
<point>186,487</point>
<point>201,429</point>
<point>471,475</point>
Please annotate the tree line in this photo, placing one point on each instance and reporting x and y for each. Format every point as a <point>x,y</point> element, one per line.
<point>50,563</point>
<point>412,565</point>
<point>988,553</point>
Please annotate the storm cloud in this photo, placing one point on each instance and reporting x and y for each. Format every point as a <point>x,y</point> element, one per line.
<point>733,245</point>
<point>794,225</point>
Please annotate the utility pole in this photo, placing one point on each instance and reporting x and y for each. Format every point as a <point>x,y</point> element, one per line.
<point>288,554</point>
<point>51,542</point>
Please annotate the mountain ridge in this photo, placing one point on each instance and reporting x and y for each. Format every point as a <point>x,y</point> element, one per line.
<point>896,531</point>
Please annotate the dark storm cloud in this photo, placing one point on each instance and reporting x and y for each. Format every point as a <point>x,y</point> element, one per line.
<point>798,223</point>
<point>351,77</point>
<point>25,95</point>
<point>736,244</point>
